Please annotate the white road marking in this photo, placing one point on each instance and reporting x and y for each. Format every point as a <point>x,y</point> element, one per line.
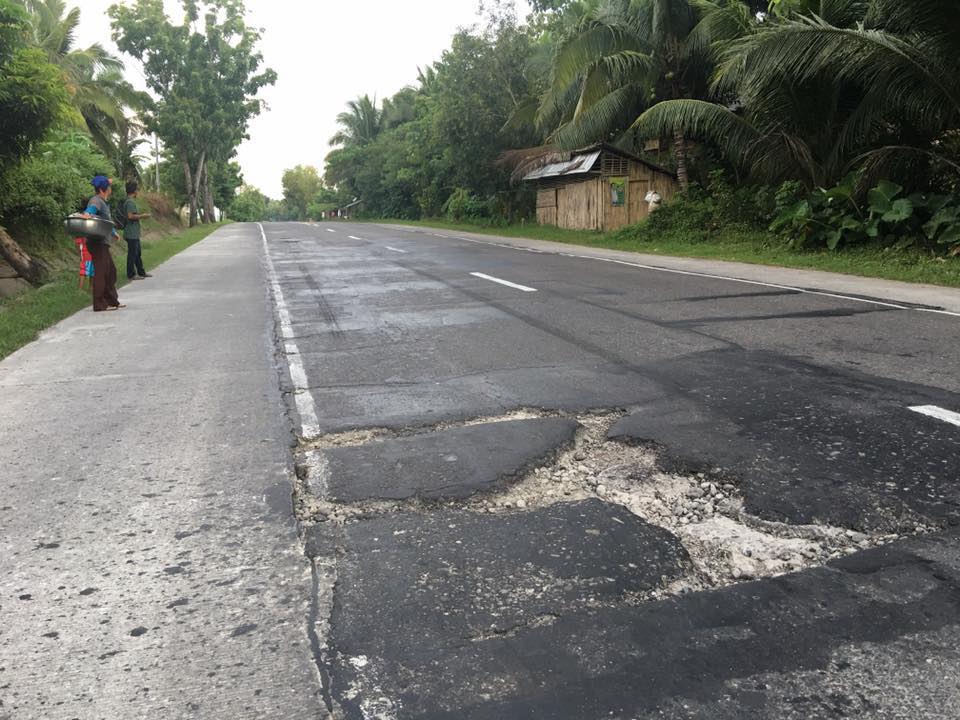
<point>754,282</point>
<point>354,237</point>
<point>309,422</point>
<point>657,268</point>
<point>330,230</point>
<point>524,288</point>
<point>939,312</point>
<point>704,275</point>
<point>939,413</point>
<point>388,247</point>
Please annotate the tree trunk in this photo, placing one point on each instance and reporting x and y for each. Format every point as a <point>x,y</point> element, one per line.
<point>680,153</point>
<point>188,181</point>
<point>197,178</point>
<point>208,208</point>
<point>26,267</point>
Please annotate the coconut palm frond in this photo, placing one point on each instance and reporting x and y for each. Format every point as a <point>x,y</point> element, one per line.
<point>596,122</point>
<point>720,22</point>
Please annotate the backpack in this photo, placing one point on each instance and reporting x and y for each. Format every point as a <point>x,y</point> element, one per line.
<point>120,216</point>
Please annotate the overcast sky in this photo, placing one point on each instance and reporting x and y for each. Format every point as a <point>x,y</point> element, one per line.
<point>325,52</point>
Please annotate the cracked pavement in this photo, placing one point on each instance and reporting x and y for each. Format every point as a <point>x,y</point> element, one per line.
<point>742,517</point>
<point>344,481</point>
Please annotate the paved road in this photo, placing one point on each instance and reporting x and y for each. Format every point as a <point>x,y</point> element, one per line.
<point>476,561</point>
<point>528,485</point>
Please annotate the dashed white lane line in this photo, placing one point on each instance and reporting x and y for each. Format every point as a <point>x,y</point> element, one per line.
<point>388,247</point>
<point>354,237</point>
<point>331,230</point>
<point>710,276</point>
<point>309,423</point>
<point>939,413</point>
<point>523,288</point>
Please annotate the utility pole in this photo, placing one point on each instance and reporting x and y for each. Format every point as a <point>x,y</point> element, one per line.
<point>156,160</point>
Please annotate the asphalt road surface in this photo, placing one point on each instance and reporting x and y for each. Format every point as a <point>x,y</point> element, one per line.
<point>525,484</point>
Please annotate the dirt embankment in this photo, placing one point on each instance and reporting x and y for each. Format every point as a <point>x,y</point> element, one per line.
<point>57,252</point>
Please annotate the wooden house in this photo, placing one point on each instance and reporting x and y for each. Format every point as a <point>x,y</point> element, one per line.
<point>597,188</point>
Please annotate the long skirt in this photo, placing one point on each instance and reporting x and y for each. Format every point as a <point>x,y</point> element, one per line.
<point>104,277</point>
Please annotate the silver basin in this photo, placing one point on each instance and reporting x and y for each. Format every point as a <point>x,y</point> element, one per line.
<point>93,227</point>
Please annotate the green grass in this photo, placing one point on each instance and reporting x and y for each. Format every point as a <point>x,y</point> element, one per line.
<point>740,245</point>
<point>25,316</point>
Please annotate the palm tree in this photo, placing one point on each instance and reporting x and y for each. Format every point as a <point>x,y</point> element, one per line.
<point>92,75</point>
<point>624,57</point>
<point>873,84</point>
<point>360,124</point>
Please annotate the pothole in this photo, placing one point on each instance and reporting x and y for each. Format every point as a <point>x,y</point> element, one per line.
<point>726,545</point>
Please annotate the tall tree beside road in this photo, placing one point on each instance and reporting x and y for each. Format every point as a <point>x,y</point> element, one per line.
<point>207,73</point>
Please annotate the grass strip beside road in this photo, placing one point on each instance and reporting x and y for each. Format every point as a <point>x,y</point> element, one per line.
<point>747,246</point>
<point>25,316</point>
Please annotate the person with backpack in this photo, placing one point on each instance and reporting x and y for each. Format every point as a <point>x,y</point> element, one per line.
<point>130,217</point>
<point>104,271</point>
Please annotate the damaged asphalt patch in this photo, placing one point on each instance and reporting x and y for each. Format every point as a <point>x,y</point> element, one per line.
<point>451,463</point>
<point>809,445</point>
<point>438,606</point>
<point>827,642</point>
<point>701,511</point>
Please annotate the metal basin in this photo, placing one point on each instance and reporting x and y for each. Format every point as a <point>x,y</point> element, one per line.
<point>93,227</point>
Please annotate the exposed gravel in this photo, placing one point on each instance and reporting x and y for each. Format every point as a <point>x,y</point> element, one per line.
<point>706,512</point>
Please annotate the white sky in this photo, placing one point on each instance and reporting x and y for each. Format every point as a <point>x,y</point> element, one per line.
<point>325,52</point>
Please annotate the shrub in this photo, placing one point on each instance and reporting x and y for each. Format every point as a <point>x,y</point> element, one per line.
<point>461,205</point>
<point>836,217</point>
<point>51,183</point>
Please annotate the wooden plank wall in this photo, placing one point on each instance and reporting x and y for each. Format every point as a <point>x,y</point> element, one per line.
<point>547,206</point>
<point>578,205</point>
<point>588,204</point>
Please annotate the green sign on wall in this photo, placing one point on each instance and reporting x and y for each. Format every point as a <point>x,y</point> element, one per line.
<point>618,191</point>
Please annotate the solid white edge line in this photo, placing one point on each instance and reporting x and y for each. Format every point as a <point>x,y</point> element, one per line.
<point>309,422</point>
<point>523,288</point>
<point>939,413</point>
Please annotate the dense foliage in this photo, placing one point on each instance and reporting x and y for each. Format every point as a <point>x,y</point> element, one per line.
<point>52,182</point>
<point>825,106</point>
<point>68,113</point>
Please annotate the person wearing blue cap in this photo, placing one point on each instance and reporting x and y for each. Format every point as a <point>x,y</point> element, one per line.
<point>104,271</point>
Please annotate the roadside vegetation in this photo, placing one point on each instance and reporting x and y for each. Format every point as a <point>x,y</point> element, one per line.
<point>69,113</point>
<point>23,317</point>
<point>796,128</point>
